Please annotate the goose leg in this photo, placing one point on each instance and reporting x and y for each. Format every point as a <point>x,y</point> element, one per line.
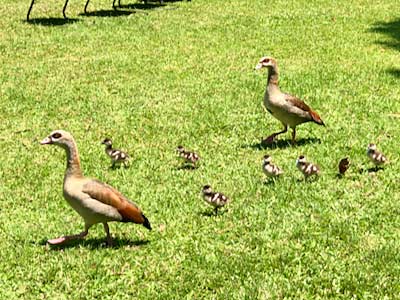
<point>270,139</point>
<point>86,6</point>
<point>294,136</point>
<point>109,238</point>
<point>29,10</point>
<point>64,8</point>
<point>65,238</point>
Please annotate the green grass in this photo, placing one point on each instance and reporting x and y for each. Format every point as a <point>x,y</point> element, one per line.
<point>157,77</point>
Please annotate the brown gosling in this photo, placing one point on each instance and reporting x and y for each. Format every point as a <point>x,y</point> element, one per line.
<point>344,164</point>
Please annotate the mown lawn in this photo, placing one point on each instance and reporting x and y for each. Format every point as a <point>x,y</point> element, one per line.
<point>152,77</point>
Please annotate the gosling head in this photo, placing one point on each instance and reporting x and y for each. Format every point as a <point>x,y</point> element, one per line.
<point>107,142</point>
<point>206,189</point>
<point>180,149</point>
<point>267,159</point>
<point>301,160</point>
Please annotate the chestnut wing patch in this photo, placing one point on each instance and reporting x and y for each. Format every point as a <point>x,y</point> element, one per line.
<point>297,102</point>
<point>300,104</point>
<point>106,194</point>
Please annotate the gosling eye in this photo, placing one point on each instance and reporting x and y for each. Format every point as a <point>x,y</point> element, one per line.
<point>56,135</point>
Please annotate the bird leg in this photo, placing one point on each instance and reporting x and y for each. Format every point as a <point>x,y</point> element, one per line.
<point>294,136</point>
<point>109,238</point>
<point>66,238</point>
<point>270,139</point>
<point>216,210</point>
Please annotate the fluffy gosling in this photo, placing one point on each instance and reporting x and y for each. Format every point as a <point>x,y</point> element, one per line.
<point>188,156</point>
<point>375,156</point>
<point>308,169</point>
<point>269,169</point>
<point>217,200</point>
<point>117,156</point>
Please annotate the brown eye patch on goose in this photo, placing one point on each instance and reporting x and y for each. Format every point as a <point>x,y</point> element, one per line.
<point>56,135</point>
<point>266,60</point>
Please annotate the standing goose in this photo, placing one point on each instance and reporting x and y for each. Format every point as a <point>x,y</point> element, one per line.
<point>288,109</point>
<point>94,200</point>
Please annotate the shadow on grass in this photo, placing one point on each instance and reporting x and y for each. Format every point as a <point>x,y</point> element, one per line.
<point>371,170</point>
<point>187,167</point>
<point>107,13</point>
<point>118,167</point>
<point>394,72</point>
<point>151,5</point>
<point>143,6</point>
<point>270,181</point>
<point>51,21</point>
<point>211,213</point>
<point>391,29</point>
<point>282,144</point>
<point>96,243</point>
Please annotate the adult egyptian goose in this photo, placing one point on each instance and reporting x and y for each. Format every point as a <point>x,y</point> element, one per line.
<point>288,109</point>
<point>269,168</point>
<point>117,156</point>
<point>94,200</point>
<point>308,169</point>
<point>188,156</point>
<point>375,156</point>
<point>215,199</point>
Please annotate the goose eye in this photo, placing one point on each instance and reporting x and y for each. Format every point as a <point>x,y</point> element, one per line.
<point>267,60</point>
<point>56,135</point>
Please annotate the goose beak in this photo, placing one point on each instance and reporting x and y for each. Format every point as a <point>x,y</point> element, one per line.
<point>46,141</point>
<point>258,66</point>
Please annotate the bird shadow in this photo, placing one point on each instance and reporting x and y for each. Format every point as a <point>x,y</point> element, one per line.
<point>187,167</point>
<point>391,29</point>
<point>371,170</point>
<point>309,179</point>
<point>96,243</point>
<point>51,21</point>
<point>394,72</point>
<point>282,144</point>
<point>117,167</point>
<point>269,182</point>
<point>142,6</point>
<point>211,213</point>
<point>107,13</point>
